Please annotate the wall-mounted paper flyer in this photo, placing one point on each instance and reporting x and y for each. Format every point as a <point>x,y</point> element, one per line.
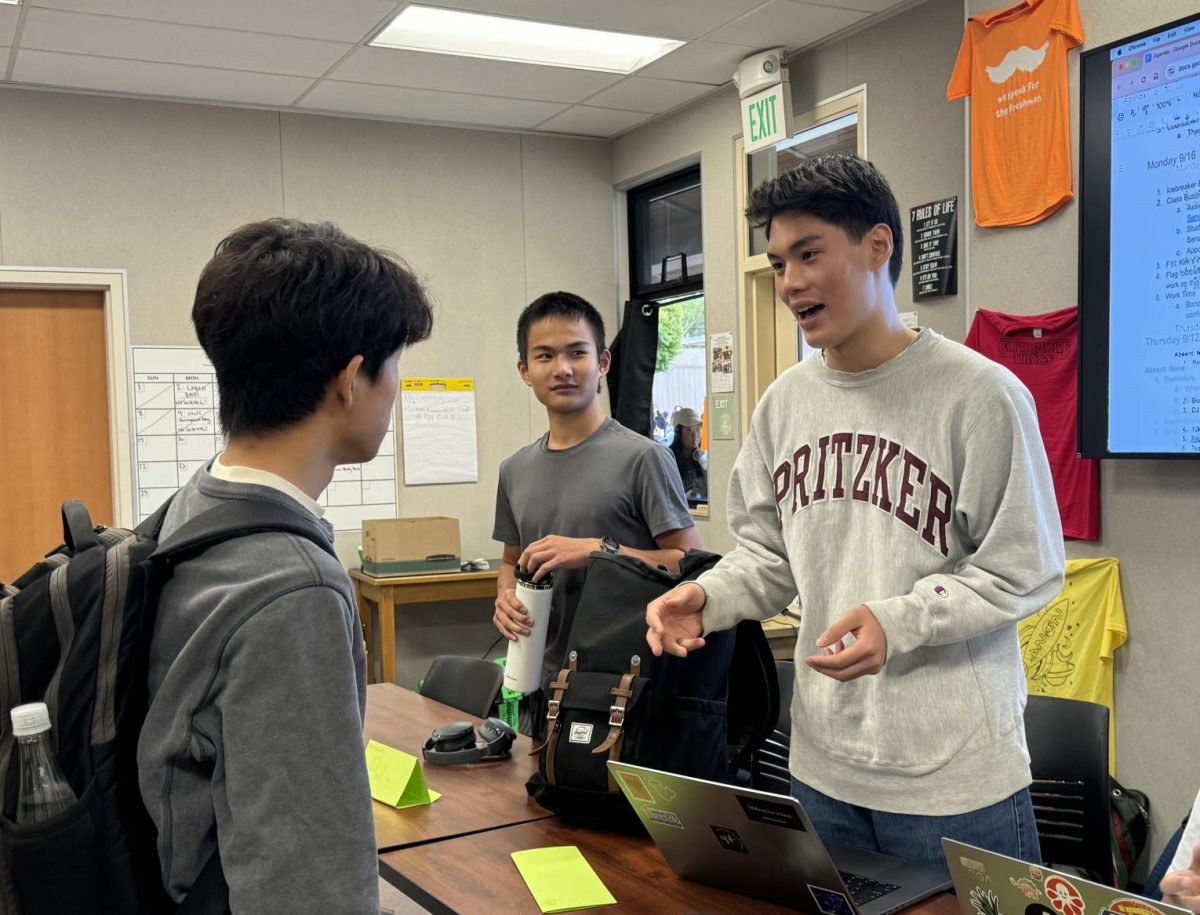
<point>438,423</point>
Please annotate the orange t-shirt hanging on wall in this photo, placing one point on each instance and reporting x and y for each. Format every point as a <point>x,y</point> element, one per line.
<point>1013,64</point>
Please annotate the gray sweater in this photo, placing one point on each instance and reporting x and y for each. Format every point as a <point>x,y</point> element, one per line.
<point>921,489</point>
<point>254,734</point>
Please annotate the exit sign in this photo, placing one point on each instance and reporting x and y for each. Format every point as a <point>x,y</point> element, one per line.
<point>767,117</point>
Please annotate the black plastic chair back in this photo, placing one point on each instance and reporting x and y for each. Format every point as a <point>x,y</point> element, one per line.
<point>468,684</point>
<point>1068,750</point>
<point>769,768</point>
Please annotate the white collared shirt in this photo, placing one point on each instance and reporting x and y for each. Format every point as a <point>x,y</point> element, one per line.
<point>237,474</point>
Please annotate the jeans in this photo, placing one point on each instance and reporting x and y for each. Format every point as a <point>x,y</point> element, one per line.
<point>1006,827</point>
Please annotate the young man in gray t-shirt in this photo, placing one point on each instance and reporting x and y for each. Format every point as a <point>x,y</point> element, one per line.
<point>588,484</point>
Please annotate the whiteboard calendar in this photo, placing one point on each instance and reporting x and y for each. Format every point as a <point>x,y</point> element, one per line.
<point>176,431</point>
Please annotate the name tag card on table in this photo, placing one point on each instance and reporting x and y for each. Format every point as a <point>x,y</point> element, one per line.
<point>396,777</point>
<point>560,879</point>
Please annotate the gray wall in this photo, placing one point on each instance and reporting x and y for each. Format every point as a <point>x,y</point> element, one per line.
<point>919,141</point>
<point>152,187</point>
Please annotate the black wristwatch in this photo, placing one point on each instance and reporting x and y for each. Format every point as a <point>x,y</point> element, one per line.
<point>610,546</point>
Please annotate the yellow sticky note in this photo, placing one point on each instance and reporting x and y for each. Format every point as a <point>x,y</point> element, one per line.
<point>560,879</point>
<point>396,777</point>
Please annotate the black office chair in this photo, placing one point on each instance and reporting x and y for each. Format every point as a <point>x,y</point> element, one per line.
<point>769,767</point>
<point>468,684</point>
<point>1068,750</point>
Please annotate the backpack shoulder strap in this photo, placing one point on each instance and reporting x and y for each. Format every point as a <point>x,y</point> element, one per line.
<point>238,519</point>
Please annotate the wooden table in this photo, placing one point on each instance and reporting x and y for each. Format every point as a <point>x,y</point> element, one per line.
<point>385,593</point>
<point>475,874</point>
<point>474,798</point>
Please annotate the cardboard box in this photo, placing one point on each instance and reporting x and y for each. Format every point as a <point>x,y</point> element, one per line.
<point>409,546</point>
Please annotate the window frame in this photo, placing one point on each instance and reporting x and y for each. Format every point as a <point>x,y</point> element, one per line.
<point>636,202</point>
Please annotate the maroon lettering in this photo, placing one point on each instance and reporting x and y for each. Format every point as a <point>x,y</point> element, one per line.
<point>908,487</point>
<point>841,442</point>
<point>937,514</point>
<point>781,478</point>
<point>880,494</point>
<point>864,447</point>
<point>800,476</point>
<point>819,490</point>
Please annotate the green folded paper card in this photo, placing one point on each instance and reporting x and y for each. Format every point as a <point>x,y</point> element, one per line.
<point>560,879</point>
<point>396,777</point>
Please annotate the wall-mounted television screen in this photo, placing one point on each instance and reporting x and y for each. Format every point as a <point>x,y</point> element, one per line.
<point>1139,245</point>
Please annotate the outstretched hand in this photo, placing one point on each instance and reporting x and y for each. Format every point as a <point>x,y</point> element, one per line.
<point>673,620</point>
<point>865,655</point>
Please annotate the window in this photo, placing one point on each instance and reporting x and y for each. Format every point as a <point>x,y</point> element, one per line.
<point>666,268</point>
<point>666,251</point>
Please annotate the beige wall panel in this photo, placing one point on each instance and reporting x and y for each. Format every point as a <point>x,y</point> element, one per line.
<point>819,75</point>
<point>1149,507</point>
<point>905,63</point>
<point>449,202</point>
<point>147,186</point>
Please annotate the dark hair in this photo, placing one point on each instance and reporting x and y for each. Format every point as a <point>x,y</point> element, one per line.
<point>691,472</point>
<point>558,305</point>
<point>284,305</point>
<point>840,189</point>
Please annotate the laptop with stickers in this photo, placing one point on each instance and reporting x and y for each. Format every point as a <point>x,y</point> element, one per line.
<point>988,883</point>
<point>763,845</point>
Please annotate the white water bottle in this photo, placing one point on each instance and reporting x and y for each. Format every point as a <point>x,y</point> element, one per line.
<point>523,669</point>
<point>44,791</point>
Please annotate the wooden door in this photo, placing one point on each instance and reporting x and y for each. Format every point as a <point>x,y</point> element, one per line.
<point>54,431</point>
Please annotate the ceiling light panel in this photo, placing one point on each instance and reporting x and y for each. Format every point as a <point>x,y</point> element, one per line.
<point>444,31</point>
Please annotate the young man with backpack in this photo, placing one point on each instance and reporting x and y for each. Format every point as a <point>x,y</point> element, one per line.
<point>588,484</point>
<point>252,745</point>
<point>898,484</point>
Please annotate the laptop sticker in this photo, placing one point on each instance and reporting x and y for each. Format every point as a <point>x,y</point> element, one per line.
<point>985,902</point>
<point>1036,873</point>
<point>1131,907</point>
<point>830,902</point>
<point>664,791</point>
<point>635,786</point>
<point>771,813</point>
<point>663,817</point>
<point>1063,896</point>
<point>1028,888</point>
<point>976,868</point>
<point>729,839</point>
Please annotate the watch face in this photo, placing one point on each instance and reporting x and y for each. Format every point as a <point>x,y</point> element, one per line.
<point>609,545</point>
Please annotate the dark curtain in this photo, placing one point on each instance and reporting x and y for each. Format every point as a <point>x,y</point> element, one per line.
<point>631,374</point>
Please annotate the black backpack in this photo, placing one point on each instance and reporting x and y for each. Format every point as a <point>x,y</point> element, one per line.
<point>702,715</point>
<point>75,633</point>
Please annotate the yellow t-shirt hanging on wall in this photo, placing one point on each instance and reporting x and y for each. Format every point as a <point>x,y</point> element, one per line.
<point>1068,646</point>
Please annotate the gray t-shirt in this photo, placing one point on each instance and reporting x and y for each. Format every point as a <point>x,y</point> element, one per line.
<point>615,483</point>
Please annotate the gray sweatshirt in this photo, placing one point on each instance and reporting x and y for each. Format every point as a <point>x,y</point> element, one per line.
<point>254,733</point>
<point>920,488</point>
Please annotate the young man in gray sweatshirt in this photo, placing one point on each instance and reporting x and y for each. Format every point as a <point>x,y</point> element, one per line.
<point>897,484</point>
<point>253,740</point>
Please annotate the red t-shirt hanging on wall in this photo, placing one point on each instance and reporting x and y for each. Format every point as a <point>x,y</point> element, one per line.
<point>1043,351</point>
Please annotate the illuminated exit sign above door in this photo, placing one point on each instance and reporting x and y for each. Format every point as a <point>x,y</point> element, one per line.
<point>767,117</point>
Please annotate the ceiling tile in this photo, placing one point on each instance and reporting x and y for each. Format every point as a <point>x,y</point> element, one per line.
<point>345,20</point>
<point>700,62</point>
<point>639,93</point>
<point>661,18</point>
<point>427,105</point>
<point>77,33</point>
<point>420,70</point>
<point>594,122</point>
<point>783,22</point>
<point>866,6</point>
<point>100,74</point>
<point>8,23</point>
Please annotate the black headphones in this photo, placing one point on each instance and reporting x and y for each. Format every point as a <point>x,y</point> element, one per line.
<point>454,744</point>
